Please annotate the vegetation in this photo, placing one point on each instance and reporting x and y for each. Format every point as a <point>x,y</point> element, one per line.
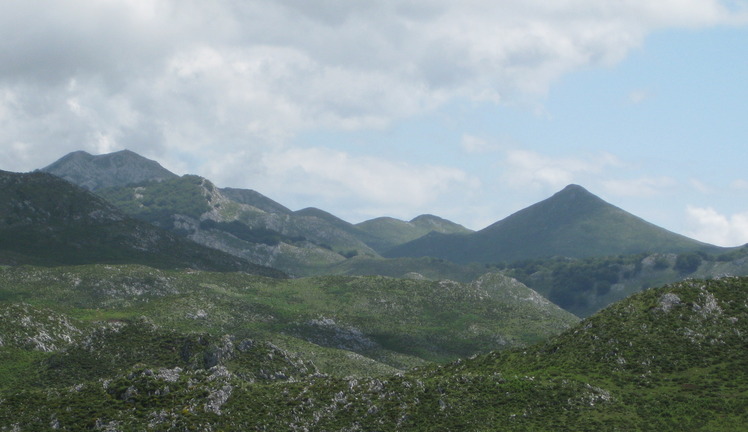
<point>664,359</point>
<point>157,201</point>
<point>584,286</point>
<point>390,320</point>
<point>386,233</point>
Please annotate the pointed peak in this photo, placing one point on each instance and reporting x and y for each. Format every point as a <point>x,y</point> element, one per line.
<point>572,192</point>
<point>574,188</point>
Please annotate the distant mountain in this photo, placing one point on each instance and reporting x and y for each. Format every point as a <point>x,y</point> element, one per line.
<point>254,199</point>
<point>571,223</point>
<point>108,170</point>
<point>46,220</point>
<point>390,232</point>
<point>241,222</point>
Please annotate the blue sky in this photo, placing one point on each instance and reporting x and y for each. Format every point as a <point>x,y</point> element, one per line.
<point>470,111</point>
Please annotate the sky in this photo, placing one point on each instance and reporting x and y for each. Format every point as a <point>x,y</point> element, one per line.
<point>468,110</point>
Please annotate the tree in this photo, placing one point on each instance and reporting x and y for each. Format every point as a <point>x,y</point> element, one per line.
<point>688,262</point>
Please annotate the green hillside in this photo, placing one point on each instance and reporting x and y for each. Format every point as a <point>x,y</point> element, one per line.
<point>671,358</point>
<point>572,223</point>
<point>418,268</point>
<point>46,220</point>
<point>387,233</point>
<point>389,320</point>
<point>295,242</point>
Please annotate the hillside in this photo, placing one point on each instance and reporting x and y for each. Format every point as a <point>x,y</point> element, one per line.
<point>192,206</point>
<point>46,220</point>
<point>107,170</point>
<point>572,223</point>
<point>671,358</point>
<point>393,321</point>
<point>387,232</point>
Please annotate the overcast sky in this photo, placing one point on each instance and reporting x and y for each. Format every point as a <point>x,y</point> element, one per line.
<point>469,110</point>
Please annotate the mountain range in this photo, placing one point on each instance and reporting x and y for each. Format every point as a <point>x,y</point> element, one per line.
<point>121,320</point>
<point>572,223</point>
<point>555,236</point>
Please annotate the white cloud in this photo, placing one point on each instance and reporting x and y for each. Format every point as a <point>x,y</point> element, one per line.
<point>708,225</point>
<point>165,76</point>
<point>472,144</point>
<point>385,187</point>
<point>638,96</point>
<point>639,187</point>
<point>739,184</point>
<point>531,169</point>
<point>700,186</point>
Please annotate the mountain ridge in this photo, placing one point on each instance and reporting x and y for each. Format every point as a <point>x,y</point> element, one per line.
<point>49,220</point>
<point>389,232</point>
<point>573,223</point>
<point>107,170</point>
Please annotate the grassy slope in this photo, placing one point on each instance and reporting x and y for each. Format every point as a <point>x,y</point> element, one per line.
<point>666,359</point>
<point>388,232</point>
<point>393,321</point>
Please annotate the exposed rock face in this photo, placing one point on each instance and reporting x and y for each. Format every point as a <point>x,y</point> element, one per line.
<point>23,326</point>
<point>668,301</point>
<point>326,332</point>
<point>101,171</point>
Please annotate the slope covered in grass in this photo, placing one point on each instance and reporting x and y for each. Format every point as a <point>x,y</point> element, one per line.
<point>671,358</point>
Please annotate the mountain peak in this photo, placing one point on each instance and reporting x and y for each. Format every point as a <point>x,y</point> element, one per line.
<point>574,188</point>
<point>572,223</point>
<point>574,191</point>
<point>113,169</point>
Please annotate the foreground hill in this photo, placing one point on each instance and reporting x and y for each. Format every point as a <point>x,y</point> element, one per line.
<point>46,220</point>
<point>671,358</point>
<point>572,223</point>
<point>393,321</point>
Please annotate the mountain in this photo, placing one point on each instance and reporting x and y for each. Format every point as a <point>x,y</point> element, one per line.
<point>47,220</point>
<point>241,222</point>
<point>671,358</point>
<point>254,199</point>
<point>386,232</point>
<point>572,223</point>
<point>108,170</point>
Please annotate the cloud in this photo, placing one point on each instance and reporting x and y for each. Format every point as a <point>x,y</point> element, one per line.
<point>639,187</point>
<point>385,187</point>
<point>527,168</point>
<point>168,76</point>
<point>739,184</point>
<point>700,186</point>
<point>472,144</point>
<point>708,225</point>
<point>638,96</point>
